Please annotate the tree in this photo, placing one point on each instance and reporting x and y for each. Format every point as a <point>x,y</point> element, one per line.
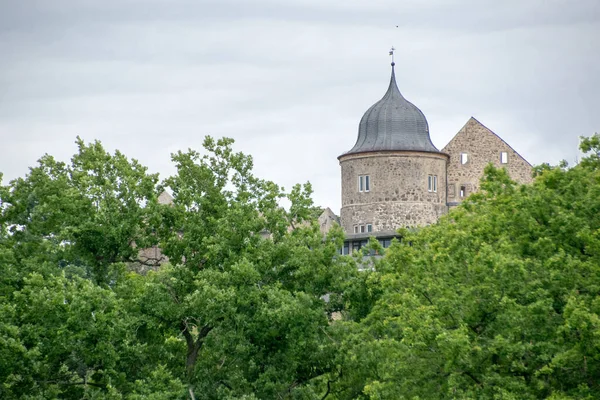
<point>90,214</point>
<point>245,291</point>
<point>500,299</point>
<point>239,312</point>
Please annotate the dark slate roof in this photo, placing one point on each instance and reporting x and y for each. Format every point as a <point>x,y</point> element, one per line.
<point>393,123</point>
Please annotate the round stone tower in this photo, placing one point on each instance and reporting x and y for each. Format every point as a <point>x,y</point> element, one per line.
<point>393,176</point>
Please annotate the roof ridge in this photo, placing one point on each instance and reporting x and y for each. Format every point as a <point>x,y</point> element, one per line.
<point>495,134</point>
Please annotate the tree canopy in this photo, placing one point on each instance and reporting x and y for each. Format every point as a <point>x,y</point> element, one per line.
<point>499,299</point>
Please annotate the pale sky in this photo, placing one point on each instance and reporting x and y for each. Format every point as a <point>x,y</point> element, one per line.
<point>289,80</point>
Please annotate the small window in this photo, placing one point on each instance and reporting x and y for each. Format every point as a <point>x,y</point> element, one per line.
<point>362,229</point>
<point>355,228</point>
<point>346,249</point>
<point>503,157</point>
<point>463,191</point>
<point>364,183</point>
<point>369,228</point>
<point>432,183</point>
<point>385,243</point>
<point>358,245</point>
<point>464,158</point>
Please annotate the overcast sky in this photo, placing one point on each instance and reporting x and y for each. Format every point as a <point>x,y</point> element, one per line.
<point>290,79</point>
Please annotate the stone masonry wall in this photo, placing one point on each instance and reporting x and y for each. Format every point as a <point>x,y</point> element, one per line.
<point>326,220</point>
<point>398,195</point>
<point>482,147</point>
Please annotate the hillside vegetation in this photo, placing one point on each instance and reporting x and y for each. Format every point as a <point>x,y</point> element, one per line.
<point>499,300</point>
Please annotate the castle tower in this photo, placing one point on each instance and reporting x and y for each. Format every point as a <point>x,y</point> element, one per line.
<point>393,176</point>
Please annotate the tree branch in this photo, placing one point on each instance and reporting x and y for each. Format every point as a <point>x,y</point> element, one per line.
<point>328,390</point>
<point>191,391</point>
<point>193,346</point>
<point>470,375</point>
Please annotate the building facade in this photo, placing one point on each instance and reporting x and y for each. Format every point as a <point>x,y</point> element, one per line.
<point>394,177</point>
<point>470,150</point>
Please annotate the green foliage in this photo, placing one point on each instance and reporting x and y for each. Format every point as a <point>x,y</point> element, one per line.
<point>591,145</point>
<point>246,287</point>
<point>500,299</point>
<point>239,311</point>
<point>89,214</point>
<point>61,338</point>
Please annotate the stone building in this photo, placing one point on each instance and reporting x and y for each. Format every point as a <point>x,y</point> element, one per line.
<point>395,177</point>
<point>470,150</point>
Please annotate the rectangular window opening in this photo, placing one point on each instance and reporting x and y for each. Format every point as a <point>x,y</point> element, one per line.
<point>369,228</point>
<point>358,245</point>
<point>432,183</point>
<point>362,229</point>
<point>503,157</point>
<point>355,228</point>
<point>346,248</point>
<point>464,158</point>
<point>463,191</point>
<point>364,183</point>
<point>385,243</point>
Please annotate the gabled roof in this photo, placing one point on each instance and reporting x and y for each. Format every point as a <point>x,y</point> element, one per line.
<point>472,122</point>
<point>165,198</point>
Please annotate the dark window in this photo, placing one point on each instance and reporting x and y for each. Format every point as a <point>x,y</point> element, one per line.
<point>385,243</point>
<point>463,191</point>
<point>346,248</point>
<point>369,228</point>
<point>357,245</point>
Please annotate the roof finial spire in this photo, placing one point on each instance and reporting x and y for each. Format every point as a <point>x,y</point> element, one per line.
<point>392,55</point>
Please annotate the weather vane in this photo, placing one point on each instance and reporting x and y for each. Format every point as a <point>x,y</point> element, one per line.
<point>392,53</point>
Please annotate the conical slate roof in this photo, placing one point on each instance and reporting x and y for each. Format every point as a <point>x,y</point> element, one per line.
<point>393,123</point>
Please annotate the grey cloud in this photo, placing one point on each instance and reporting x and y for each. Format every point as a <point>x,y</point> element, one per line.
<point>290,80</point>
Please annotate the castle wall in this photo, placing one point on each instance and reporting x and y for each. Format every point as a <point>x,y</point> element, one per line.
<point>481,146</point>
<point>326,220</point>
<point>399,193</point>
